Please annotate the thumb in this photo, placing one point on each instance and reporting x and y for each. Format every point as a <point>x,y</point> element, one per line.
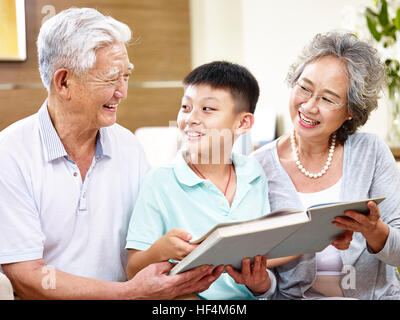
<point>163,267</point>
<point>180,233</point>
<point>374,213</point>
<point>348,234</point>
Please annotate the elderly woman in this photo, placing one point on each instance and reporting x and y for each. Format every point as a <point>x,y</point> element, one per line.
<point>335,86</point>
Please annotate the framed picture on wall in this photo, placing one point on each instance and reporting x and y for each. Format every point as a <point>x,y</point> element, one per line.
<point>12,30</point>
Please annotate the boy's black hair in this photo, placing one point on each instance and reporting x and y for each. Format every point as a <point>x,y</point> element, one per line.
<point>242,85</point>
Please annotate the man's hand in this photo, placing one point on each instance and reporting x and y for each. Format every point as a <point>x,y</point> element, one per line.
<point>154,283</point>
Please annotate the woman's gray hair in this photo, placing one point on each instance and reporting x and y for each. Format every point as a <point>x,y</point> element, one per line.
<point>365,71</point>
<point>70,40</point>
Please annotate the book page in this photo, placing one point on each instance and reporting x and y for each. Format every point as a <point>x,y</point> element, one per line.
<point>320,232</point>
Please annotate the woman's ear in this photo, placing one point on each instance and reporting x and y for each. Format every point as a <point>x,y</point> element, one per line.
<point>245,123</point>
<point>61,83</point>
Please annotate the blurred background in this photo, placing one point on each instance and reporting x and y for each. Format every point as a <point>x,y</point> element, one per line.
<point>171,37</point>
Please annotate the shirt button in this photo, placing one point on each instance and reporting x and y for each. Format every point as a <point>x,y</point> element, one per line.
<point>75,174</point>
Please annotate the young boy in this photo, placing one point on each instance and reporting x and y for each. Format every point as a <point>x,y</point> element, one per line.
<point>207,184</point>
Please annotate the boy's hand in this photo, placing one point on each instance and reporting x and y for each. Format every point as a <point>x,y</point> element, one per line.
<point>173,245</point>
<point>254,276</point>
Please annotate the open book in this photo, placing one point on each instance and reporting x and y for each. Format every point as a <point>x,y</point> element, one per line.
<point>282,233</point>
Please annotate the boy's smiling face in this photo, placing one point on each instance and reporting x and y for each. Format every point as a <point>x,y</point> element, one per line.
<point>208,121</point>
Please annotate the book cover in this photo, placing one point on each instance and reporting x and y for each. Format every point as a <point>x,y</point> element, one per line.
<point>281,233</point>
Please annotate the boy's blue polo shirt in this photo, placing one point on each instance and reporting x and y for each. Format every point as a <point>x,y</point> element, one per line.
<point>175,197</point>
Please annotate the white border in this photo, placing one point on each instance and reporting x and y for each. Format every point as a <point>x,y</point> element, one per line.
<point>20,14</point>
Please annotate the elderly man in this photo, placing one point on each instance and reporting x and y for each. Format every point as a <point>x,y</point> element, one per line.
<point>70,176</point>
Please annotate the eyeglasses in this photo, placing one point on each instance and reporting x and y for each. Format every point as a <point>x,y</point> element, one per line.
<point>322,101</point>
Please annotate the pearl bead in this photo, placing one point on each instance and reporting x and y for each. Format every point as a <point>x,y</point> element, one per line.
<point>295,152</point>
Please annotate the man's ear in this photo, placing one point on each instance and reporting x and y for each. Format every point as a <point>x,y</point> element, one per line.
<point>61,83</point>
<point>246,121</point>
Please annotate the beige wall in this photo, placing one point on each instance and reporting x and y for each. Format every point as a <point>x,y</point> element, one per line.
<point>216,31</point>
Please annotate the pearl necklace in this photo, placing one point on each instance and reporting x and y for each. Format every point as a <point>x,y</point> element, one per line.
<point>295,152</point>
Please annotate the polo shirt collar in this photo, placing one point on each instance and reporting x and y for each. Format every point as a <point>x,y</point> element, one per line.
<point>104,141</point>
<point>183,173</point>
<point>54,148</point>
<point>245,169</point>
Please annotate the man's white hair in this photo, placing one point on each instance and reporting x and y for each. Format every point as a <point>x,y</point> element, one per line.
<point>70,40</point>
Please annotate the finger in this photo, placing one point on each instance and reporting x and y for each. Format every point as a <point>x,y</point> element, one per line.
<point>342,226</point>
<point>163,267</point>
<point>256,265</point>
<point>181,248</point>
<point>180,233</point>
<point>348,235</point>
<point>343,241</point>
<point>197,286</point>
<point>190,281</point>
<point>374,213</point>
<point>346,223</point>
<point>218,271</point>
<point>234,274</point>
<point>264,262</point>
<point>185,248</point>
<point>345,236</point>
<point>206,282</point>
<point>341,245</point>
<point>246,271</point>
<point>193,275</point>
<point>357,217</point>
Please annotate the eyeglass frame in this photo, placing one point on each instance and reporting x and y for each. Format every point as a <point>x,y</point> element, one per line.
<point>304,90</point>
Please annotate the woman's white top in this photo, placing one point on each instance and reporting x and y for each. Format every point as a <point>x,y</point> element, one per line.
<point>329,261</point>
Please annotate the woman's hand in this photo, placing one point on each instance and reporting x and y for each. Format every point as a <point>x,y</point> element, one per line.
<point>344,240</point>
<point>371,226</point>
<point>254,276</point>
<point>173,245</point>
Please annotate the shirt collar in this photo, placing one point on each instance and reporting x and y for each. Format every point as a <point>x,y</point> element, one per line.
<point>246,170</point>
<point>183,173</point>
<point>52,142</point>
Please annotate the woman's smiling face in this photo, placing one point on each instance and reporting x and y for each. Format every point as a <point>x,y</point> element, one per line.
<point>326,78</point>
